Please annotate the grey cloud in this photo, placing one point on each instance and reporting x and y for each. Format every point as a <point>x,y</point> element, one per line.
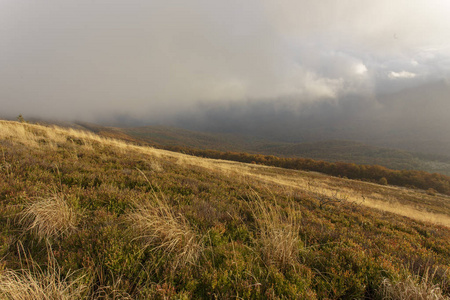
<point>415,118</point>
<point>155,60</point>
<point>104,56</point>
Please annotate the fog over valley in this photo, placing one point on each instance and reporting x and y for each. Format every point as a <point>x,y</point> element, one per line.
<point>291,70</point>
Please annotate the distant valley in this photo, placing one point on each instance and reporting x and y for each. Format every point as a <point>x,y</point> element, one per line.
<point>330,150</point>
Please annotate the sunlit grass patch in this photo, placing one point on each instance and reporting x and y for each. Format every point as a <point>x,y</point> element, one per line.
<point>43,137</point>
<point>33,282</point>
<point>156,224</point>
<point>50,217</point>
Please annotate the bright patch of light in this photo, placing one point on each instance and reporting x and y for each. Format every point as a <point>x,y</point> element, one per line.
<point>360,69</point>
<point>402,74</point>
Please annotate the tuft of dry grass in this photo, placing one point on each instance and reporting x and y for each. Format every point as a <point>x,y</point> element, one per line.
<point>34,283</point>
<point>413,288</point>
<point>50,217</point>
<point>159,227</point>
<point>278,232</point>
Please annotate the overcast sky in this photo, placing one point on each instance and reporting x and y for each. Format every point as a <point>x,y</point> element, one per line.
<point>91,60</point>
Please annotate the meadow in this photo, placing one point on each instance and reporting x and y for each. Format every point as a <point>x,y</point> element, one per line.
<point>84,216</point>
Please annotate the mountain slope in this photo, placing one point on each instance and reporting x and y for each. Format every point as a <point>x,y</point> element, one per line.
<point>332,151</point>
<point>136,222</point>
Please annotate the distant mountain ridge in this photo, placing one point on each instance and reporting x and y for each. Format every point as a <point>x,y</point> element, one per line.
<point>416,119</point>
<point>331,150</point>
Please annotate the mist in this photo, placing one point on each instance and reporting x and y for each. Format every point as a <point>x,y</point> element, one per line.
<point>263,67</point>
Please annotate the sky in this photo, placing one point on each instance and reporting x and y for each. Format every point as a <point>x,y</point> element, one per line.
<point>151,61</point>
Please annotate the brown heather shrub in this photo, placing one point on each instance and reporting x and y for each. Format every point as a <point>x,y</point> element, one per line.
<point>413,288</point>
<point>158,227</point>
<point>50,217</point>
<point>278,235</point>
<point>383,181</point>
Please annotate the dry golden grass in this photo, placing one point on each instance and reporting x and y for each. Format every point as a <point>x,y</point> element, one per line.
<point>33,283</point>
<point>158,227</point>
<point>38,136</point>
<point>278,232</point>
<point>50,217</point>
<point>413,288</point>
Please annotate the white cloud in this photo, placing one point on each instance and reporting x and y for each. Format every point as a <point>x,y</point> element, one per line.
<point>402,74</point>
<point>360,69</point>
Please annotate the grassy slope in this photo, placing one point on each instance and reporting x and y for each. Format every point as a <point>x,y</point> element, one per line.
<point>147,223</point>
<point>332,151</point>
